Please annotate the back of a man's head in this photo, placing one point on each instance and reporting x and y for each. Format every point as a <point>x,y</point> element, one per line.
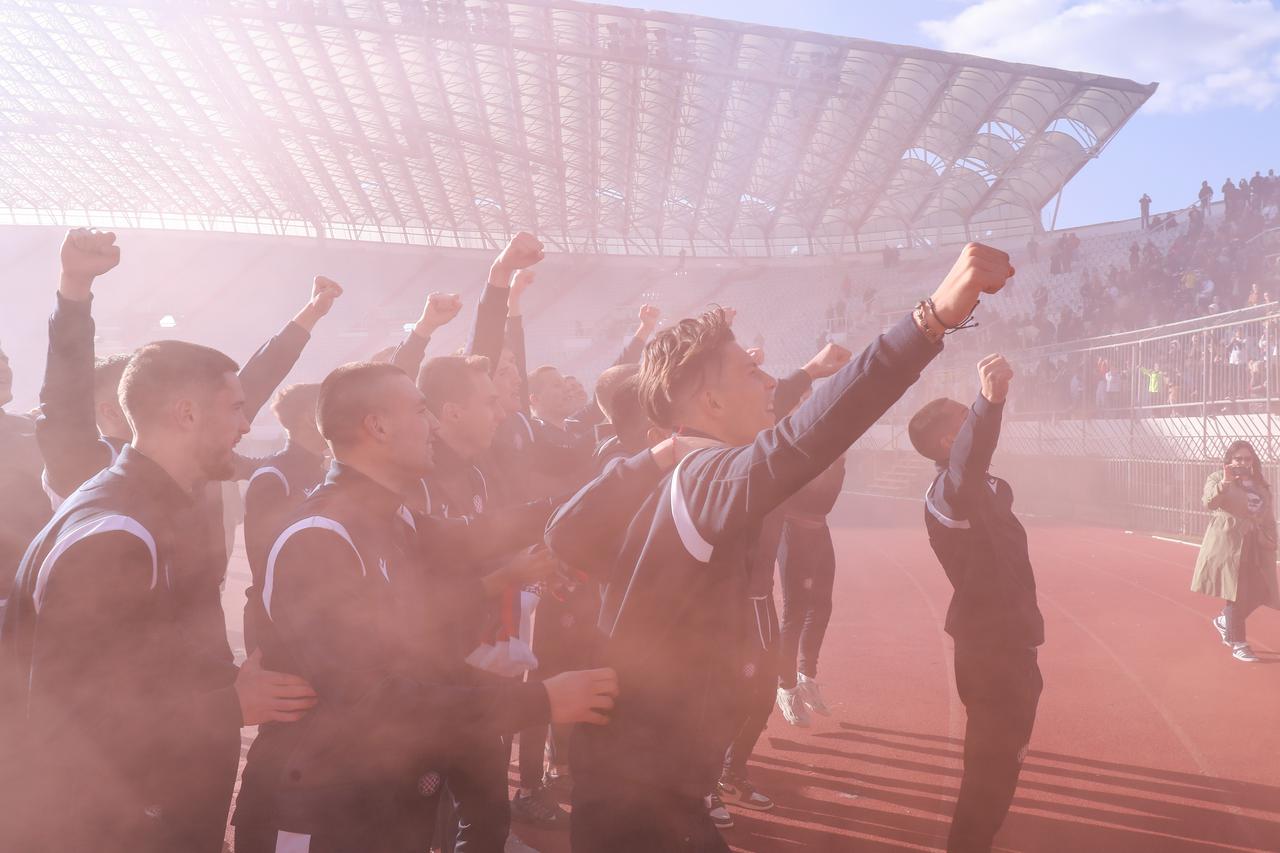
<point>676,364</point>
<point>348,395</point>
<point>630,423</point>
<point>161,373</point>
<point>608,384</point>
<point>451,379</point>
<point>295,406</point>
<point>929,426</point>
<point>107,373</point>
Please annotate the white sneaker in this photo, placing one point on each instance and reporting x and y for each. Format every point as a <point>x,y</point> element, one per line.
<point>1221,624</point>
<point>811,695</point>
<point>793,707</point>
<point>718,813</point>
<point>1241,651</point>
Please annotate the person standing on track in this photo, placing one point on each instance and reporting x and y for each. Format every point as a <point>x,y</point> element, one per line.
<point>1237,561</point>
<point>993,616</point>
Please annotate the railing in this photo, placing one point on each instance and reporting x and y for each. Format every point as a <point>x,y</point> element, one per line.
<point>1113,446</point>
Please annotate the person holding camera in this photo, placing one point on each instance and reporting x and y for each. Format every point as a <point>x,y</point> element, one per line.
<point>1237,561</point>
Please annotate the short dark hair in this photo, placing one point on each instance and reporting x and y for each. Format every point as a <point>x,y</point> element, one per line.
<point>626,413</point>
<point>347,395</point>
<point>295,405</point>
<point>158,371</point>
<point>609,383</point>
<point>922,429</point>
<point>450,379</point>
<point>107,373</point>
<point>675,363</point>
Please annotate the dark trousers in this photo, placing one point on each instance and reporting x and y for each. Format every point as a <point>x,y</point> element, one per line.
<point>756,696</point>
<point>564,639</point>
<point>637,820</point>
<point>807,564</point>
<point>1250,595</point>
<point>404,825</point>
<point>478,786</point>
<point>1000,688</point>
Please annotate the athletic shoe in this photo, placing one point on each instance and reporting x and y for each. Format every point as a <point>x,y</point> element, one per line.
<point>532,808</point>
<point>515,845</point>
<point>1241,651</point>
<point>557,782</point>
<point>719,814</point>
<point>811,695</point>
<point>1221,624</point>
<point>793,707</point>
<point>739,790</point>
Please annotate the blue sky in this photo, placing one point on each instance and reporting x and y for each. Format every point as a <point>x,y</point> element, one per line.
<point>1216,114</point>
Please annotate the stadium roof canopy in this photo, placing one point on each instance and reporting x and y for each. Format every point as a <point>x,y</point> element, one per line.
<point>454,122</point>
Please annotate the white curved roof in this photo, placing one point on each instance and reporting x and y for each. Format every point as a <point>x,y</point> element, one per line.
<point>454,122</point>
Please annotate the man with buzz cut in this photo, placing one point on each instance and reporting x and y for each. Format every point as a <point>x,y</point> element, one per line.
<point>993,617</point>
<point>118,732</point>
<point>676,608</point>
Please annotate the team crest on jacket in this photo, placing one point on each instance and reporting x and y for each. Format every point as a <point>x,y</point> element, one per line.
<point>428,784</point>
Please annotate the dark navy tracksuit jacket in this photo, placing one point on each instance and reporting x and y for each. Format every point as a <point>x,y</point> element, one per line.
<point>980,542</point>
<point>676,609</point>
<point>276,489</point>
<point>121,732</point>
<point>358,592</point>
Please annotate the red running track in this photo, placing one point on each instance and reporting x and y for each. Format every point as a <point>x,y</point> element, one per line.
<point>1150,737</point>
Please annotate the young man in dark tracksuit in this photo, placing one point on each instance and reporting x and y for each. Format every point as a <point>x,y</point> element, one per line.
<point>121,732</point>
<point>277,488</point>
<point>676,611</point>
<point>462,486</point>
<point>74,450</point>
<point>358,592</point>
<point>807,565</point>
<point>24,507</point>
<point>763,652</point>
<point>993,617</point>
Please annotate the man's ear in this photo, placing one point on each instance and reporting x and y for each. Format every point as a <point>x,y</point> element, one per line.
<point>373,425</point>
<point>653,435</point>
<point>184,412</point>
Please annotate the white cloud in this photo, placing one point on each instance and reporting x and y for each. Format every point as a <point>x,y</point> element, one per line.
<point>1203,53</point>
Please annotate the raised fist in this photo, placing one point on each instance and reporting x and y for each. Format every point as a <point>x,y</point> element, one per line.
<point>831,358</point>
<point>979,269</point>
<point>757,355</point>
<point>522,252</point>
<point>585,696</point>
<point>650,315</point>
<point>86,253</point>
<point>995,373</point>
<point>323,292</point>
<point>439,310</point>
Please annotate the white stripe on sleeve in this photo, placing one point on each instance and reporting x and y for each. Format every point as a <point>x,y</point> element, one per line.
<point>313,522</point>
<point>81,532</point>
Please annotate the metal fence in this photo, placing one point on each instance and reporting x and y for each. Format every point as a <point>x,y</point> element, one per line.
<point>1118,430</point>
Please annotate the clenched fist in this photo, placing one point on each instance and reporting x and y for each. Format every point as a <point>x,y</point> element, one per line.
<point>439,310</point>
<point>995,374</point>
<point>649,317</point>
<point>979,269</point>
<point>86,254</point>
<point>830,359</point>
<point>522,252</point>
<point>585,696</point>
<point>323,292</point>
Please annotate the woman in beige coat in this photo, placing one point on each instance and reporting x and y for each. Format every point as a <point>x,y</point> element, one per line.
<point>1237,561</point>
